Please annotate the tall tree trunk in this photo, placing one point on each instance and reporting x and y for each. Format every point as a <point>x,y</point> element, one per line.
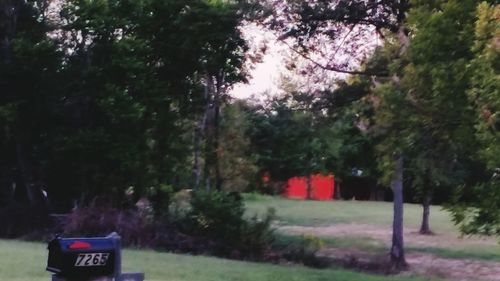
<point>218,178</point>
<point>197,137</point>
<point>208,184</point>
<point>373,193</point>
<point>8,27</point>
<point>309,186</point>
<point>208,159</point>
<point>26,179</point>
<point>196,163</point>
<point>337,192</point>
<point>426,205</point>
<point>208,132</point>
<point>397,253</point>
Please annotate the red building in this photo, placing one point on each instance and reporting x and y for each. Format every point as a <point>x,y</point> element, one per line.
<point>322,187</point>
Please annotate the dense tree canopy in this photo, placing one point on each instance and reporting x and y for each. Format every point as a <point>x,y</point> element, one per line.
<point>480,212</point>
<point>102,97</point>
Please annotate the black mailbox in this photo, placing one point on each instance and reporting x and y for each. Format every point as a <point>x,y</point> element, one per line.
<point>81,258</point>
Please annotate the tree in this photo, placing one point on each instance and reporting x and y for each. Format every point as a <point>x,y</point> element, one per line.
<point>281,139</point>
<point>222,66</point>
<point>436,83</point>
<point>479,214</point>
<point>237,165</point>
<point>300,134</point>
<point>29,63</point>
<point>343,23</point>
<point>101,97</point>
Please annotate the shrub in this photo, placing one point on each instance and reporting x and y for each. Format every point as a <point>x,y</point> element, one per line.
<point>257,235</point>
<point>302,249</point>
<point>160,198</point>
<point>17,220</point>
<point>100,220</point>
<point>219,218</point>
<point>216,215</point>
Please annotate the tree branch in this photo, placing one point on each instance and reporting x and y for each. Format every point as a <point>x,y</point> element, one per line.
<point>333,68</point>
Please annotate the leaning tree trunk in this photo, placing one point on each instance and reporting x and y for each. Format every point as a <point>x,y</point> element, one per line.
<point>397,254</point>
<point>426,204</point>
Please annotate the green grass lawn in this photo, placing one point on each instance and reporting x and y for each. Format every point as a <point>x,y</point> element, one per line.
<point>317,213</point>
<point>25,261</point>
<point>326,213</point>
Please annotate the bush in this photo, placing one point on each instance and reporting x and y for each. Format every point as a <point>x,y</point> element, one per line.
<point>198,223</point>
<point>133,226</point>
<point>160,198</point>
<point>257,236</point>
<point>302,249</point>
<point>219,218</point>
<point>19,220</point>
<point>216,215</point>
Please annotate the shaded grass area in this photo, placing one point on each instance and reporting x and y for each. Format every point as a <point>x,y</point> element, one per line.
<point>25,261</point>
<point>320,213</point>
<point>377,247</point>
<point>362,243</point>
<point>482,253</point>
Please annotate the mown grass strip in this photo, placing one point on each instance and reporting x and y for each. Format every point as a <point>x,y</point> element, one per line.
<point>25,261</point>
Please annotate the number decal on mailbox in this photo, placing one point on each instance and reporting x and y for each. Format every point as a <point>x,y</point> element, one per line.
<point>92,259</point>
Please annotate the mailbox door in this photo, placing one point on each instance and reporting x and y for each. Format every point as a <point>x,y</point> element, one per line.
<point>84,257</point>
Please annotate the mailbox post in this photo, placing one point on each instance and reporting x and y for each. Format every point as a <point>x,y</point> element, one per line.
<point>88,259</point>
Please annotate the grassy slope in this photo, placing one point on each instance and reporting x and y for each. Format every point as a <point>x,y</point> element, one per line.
<point>318,213</point>
<point>25,261</point>
<point>314,213</point>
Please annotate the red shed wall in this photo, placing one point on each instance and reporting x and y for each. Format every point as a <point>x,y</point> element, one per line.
<point>322,187</point>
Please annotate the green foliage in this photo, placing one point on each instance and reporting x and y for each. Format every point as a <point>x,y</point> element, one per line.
<point>304,250</point>
<point>422,112</point>
<point>216,215</point>
<point>257,235</point>
<point>300,134</point>
<point>219,218</point>
<point>236,162</point>
<point>161,198</point>
<point>104,95</point>
<point>18,220</point>
<point>100,220</point>
<point>479,213</point>
<point>485,90</point>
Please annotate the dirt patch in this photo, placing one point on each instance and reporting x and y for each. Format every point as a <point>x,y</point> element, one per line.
<point>420,263</point>
<point>412,237</point>
<point>454,269</point>
<point>339,230</point>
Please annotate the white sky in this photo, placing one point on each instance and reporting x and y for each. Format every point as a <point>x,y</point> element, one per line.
<point>264,78</point>
<point>265,75</point>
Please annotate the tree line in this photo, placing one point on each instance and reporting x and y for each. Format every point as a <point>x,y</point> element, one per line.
<point>101,96</point>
